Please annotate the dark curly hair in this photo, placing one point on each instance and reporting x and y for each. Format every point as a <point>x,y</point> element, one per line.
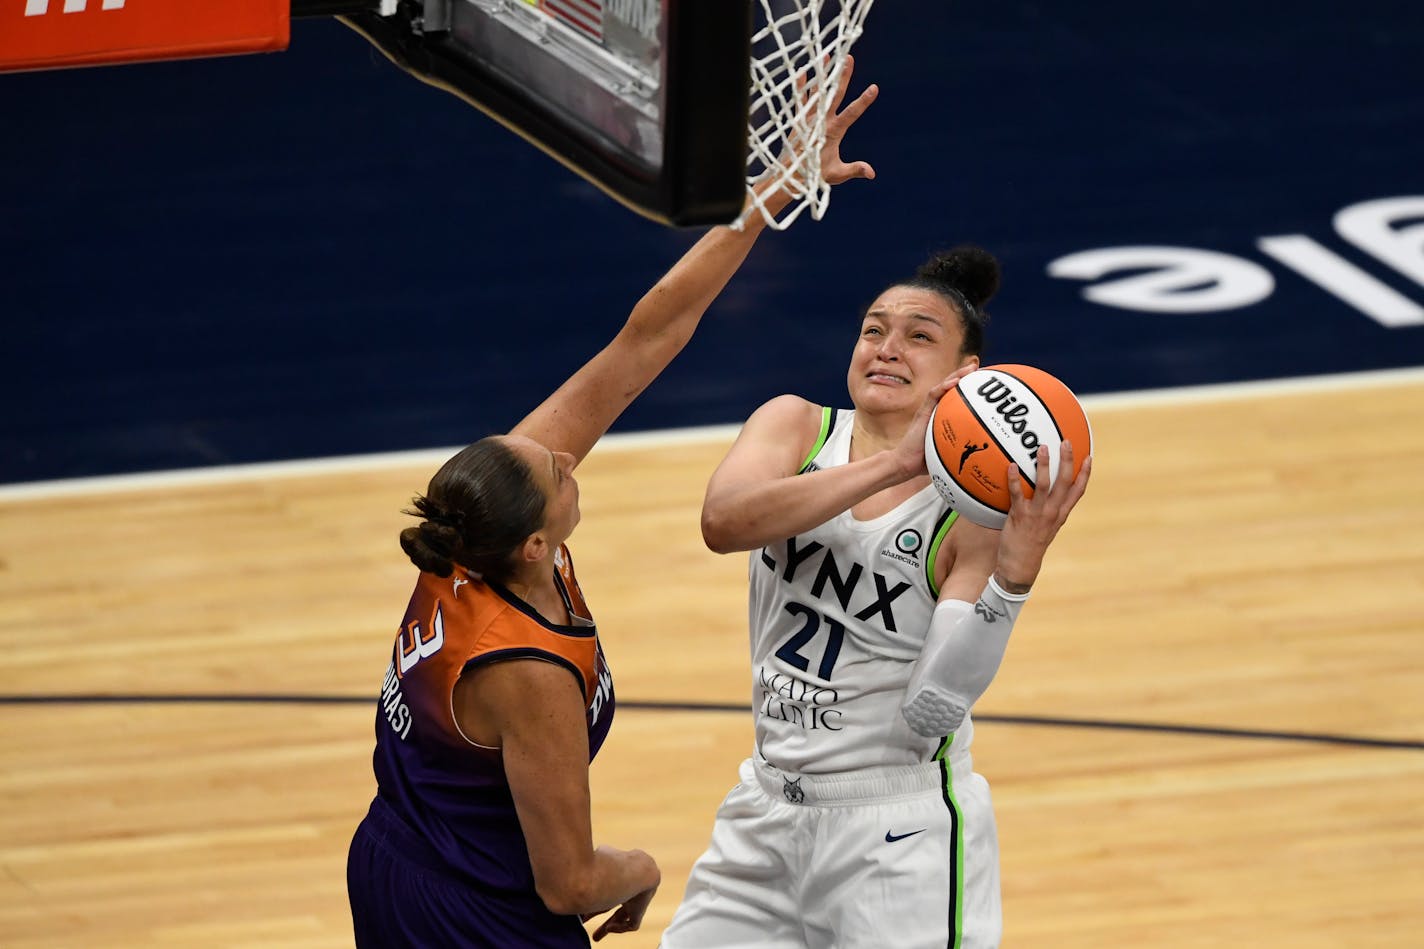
<point>477,510</point>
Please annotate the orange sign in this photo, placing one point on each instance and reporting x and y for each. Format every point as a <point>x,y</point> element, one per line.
<point>49,34</point>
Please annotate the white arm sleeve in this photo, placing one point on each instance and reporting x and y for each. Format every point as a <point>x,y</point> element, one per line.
<point>962,652</point>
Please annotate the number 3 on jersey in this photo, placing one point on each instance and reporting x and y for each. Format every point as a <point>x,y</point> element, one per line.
<point>790,651</point>
<point>416,641</point>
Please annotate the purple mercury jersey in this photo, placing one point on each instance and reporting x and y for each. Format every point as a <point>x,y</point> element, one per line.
<point>443,801</point>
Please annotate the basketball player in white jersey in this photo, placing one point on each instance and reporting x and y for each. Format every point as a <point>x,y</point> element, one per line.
<point>877,618</point>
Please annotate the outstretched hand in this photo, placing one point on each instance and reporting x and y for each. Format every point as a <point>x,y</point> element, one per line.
<point>833,168</point>
<point>775,187</point>
<point>1033,522</point>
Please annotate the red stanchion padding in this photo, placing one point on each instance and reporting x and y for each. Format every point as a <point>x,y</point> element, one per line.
<point>53,34</point>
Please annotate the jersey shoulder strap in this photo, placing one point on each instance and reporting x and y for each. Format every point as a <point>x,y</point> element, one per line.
<point>941,531</point>
<point>829,418</point>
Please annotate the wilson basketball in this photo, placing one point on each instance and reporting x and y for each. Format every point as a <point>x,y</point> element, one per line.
<point>994,417</point>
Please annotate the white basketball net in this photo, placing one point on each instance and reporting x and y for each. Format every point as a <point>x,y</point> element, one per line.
<point>798,55</point>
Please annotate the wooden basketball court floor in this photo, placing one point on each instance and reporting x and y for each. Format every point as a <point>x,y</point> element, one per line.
<point>1209,729</point>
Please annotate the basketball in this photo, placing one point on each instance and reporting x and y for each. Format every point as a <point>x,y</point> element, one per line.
<point>994,417</point>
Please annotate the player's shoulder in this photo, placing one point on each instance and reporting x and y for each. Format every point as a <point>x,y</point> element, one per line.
<point>787,414</point>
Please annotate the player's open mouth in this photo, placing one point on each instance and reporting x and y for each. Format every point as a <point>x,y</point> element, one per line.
<point>887,379</point>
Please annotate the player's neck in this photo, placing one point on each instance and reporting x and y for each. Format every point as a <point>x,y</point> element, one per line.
<point>872,434</point>
<point>535,586</point>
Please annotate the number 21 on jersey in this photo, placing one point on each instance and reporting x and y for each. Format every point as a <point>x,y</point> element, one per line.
<point>790,651</point>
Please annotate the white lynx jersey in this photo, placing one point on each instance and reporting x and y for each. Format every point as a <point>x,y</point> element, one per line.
<point>838,615</point>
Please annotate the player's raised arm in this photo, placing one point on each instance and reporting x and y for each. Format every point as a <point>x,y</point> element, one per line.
<point>583,408</point>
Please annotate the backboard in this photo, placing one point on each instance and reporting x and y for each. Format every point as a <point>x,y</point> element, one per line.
<point>647,99</point>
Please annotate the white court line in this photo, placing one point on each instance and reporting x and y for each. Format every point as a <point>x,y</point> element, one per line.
<point>433,457</point>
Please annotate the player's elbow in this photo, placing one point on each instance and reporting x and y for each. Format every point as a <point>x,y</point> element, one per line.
<point>933,712</point>
<point>719,531</point>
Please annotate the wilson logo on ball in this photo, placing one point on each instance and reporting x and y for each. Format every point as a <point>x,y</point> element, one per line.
<point>999,395</point>
<point>997,416</point>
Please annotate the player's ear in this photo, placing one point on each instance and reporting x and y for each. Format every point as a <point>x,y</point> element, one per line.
<point>534,548</point>
<point>970,360</point>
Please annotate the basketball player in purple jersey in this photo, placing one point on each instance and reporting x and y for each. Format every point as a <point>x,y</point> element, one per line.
<point>497,695</point>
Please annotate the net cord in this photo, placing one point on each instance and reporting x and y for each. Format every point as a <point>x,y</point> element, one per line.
<point>798,59</point>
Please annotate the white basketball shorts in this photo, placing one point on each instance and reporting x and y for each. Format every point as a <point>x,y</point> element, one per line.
<point>905,857</point>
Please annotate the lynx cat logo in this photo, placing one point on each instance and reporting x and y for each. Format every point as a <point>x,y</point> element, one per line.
<point>792,790</point>
<point>41,7</point>
<point>997,394</point>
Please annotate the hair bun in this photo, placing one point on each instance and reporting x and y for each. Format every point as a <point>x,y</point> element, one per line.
<point>433,544</point>
<point>971,270</point>
<point>427,551</point>
<point>437,514</point>
<point>443,538</point>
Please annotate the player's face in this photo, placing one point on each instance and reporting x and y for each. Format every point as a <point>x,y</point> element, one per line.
<point>910,339</point>
<point>561,511</point>
<point>553,471</point>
